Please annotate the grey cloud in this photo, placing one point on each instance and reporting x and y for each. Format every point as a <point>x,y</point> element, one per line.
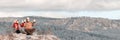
<point>104,5</point>
<point>31,5</point>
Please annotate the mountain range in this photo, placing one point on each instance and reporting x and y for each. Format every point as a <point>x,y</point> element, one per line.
<point>74,28</point>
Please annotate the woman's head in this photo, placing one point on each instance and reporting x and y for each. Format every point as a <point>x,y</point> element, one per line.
<point>16,21</point>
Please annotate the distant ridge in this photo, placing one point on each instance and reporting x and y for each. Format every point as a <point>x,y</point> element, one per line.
<point>74,28</point>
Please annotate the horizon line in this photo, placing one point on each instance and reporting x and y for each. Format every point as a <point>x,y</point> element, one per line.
<point>59,17</point>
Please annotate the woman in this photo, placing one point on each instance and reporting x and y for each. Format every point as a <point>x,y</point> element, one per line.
<point>16,26</point>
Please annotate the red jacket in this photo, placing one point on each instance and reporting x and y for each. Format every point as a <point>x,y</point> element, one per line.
<point>22,24</point>
<point>16,26</point>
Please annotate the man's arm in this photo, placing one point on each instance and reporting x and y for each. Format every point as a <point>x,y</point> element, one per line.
<point>33,23</point>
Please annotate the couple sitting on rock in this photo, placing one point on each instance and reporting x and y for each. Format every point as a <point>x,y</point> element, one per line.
<point>25,27</point>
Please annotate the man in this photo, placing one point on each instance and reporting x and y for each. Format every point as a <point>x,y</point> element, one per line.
<point>28,26</point>
<point>16,26</point>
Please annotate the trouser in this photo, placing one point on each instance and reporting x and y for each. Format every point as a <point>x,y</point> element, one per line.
<point>29,31</point>
<point>17,31</point>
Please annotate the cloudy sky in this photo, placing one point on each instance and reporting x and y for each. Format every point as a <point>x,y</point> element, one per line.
<point>60,8</point>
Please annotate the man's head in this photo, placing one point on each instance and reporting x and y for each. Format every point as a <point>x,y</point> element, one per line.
<point>27,19</point>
